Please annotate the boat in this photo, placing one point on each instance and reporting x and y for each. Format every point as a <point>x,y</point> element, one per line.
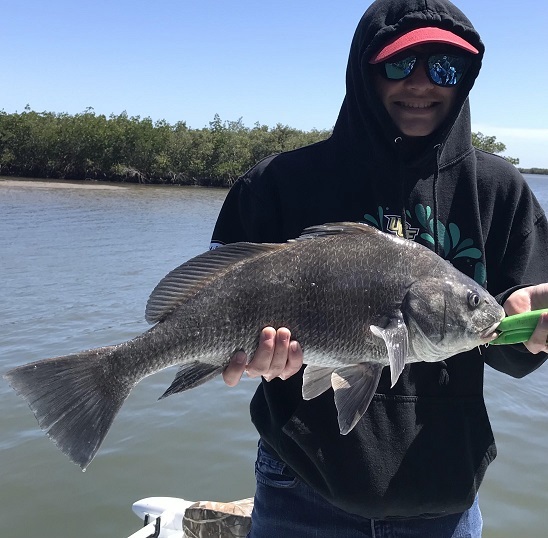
<point>171,517</point>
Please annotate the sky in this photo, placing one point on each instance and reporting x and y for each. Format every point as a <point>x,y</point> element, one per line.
<point>264,62</point>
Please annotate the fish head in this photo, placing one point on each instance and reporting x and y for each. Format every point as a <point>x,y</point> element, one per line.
<point>449,314</point>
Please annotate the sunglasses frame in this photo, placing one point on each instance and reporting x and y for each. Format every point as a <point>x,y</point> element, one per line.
<point>429,64</point>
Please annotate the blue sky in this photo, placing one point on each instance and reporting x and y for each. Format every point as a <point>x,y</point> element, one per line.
<point>267,62</point>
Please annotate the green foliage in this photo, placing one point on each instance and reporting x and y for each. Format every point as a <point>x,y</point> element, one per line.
<point>123,148</point>
<point>490,144</point>
<point>541,171</point>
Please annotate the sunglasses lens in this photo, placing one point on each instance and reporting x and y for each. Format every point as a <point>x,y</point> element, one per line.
<point>400,69</point>
<point>446,70</point>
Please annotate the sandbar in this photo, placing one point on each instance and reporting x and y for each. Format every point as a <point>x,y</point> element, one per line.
<point>56,184</point>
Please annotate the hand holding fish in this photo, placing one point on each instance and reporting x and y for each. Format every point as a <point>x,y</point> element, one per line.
<point>526,300</point>
<point>276,356</point>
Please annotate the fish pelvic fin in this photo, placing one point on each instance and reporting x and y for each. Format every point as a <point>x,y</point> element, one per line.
<point>192,375</point>
<point>354,388</point>
<point>316,380</point>
<point>396,338</point>
<point>74,399</point>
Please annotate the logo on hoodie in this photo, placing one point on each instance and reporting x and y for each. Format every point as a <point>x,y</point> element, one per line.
<point>395,226</point>
<point>452,244</point>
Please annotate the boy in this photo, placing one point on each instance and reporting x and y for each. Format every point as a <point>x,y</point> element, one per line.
<point>400,158</point>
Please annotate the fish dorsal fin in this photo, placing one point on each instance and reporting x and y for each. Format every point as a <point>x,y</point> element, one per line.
<point>187,279</point>
<point>337,228</point>
<point>354,388</point>
<point>396,338</point>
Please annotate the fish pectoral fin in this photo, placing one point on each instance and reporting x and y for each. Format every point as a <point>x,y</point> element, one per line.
<point>192,375</point>
<point>316,380</point>
<point>354,388</point>
<point>396,338</point>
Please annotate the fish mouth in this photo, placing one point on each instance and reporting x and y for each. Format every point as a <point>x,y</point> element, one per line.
<point>489,333</point>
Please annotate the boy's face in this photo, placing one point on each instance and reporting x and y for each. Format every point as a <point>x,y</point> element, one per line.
<point>416,105</point>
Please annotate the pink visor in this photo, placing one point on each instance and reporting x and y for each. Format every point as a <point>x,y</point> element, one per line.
<point>419,36</point>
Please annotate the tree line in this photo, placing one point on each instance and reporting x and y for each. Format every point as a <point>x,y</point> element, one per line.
<point>124,148</point>
<point>135,149</point>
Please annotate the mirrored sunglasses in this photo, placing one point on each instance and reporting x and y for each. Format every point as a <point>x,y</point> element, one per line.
<point>442,69</point>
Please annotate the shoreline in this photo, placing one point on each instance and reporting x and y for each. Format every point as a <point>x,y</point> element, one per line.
<point>57,184</point>
<point>90,184</point>
<point>87,184</point>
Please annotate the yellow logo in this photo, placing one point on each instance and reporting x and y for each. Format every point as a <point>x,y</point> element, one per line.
<point>395,226</point>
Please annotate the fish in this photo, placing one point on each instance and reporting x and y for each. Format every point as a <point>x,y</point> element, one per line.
<point>356,299</point>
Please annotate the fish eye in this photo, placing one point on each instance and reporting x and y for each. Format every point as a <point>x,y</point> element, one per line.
<point>473,299</point>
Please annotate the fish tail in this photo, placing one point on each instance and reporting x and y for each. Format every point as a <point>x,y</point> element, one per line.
<point>74,399</point>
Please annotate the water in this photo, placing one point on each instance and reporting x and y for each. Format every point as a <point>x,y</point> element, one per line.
<point>77,265</point>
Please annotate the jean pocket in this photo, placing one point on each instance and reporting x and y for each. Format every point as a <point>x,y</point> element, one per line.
<point>270,471</point>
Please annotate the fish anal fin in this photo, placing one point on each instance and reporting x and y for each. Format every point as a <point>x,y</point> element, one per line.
<point>316,380</point>
<point>354,388</point>
<point>192,375</point>
<point>396,338</point>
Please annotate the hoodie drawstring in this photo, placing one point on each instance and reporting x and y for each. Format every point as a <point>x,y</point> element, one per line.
<point>435,200</point>
<point>401,172</point>
<point>444,374</point>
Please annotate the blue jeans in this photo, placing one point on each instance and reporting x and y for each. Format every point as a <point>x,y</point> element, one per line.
<point>286,507</point>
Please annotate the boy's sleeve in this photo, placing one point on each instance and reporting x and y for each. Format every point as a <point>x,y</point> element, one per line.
<point>525,263</point>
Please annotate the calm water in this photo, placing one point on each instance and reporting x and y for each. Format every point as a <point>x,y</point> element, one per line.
<point>76,266</point>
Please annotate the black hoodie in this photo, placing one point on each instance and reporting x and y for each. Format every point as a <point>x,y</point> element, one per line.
<point>422,448</point>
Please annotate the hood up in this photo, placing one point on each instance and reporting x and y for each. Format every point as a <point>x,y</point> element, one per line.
<point>364,126</point>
